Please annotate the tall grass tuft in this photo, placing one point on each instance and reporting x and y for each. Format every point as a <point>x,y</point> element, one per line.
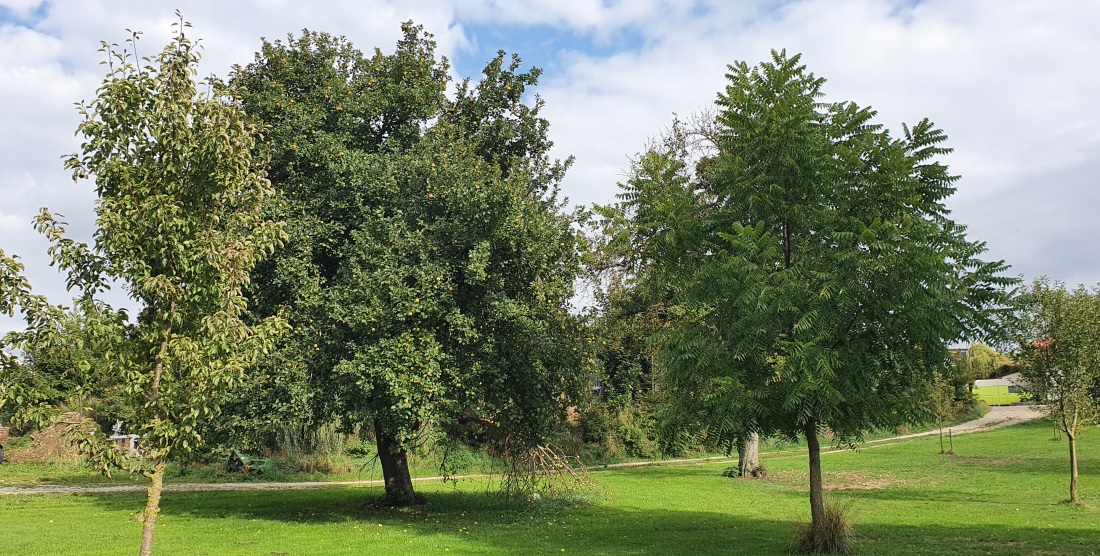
<point>835,537</point>
<point>312,449</point>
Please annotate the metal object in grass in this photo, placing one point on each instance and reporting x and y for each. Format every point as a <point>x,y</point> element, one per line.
<point>240,462</point>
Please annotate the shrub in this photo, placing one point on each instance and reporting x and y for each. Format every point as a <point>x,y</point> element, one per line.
<point>596,422</point>
<point>458,459</point>
<point>312,450</point>
<point>734,472</point>
<point>637,427</point>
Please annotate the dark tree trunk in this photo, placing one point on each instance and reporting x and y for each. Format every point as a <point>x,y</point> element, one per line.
<point>748,456</point>
<point>817,501</point>
<point>395,469</point>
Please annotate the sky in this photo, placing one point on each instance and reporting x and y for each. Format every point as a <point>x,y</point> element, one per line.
<point>1012,82</point>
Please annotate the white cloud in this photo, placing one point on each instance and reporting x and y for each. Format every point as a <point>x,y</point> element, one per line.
<point>9,222</point>
<point>1011,82</point>
<point>22,9</point>
<point>1008,82</point>
<point>47,68</point>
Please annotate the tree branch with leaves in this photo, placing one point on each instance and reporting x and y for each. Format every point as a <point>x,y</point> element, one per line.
<point>179,224</point>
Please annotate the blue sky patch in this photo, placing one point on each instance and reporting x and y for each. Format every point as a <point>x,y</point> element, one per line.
<point>538,45</point>
<point>10,17</point>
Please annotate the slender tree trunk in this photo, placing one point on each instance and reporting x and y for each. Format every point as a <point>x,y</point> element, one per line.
<point>1070,428</point>
<point>1073,468</point>
<point>152,501</point>
<point>152,508</point>
<point>395,469</point>
<point>158,370</point>
<point>748,456</point>
<point>817,498</point>
<point>941,436</point>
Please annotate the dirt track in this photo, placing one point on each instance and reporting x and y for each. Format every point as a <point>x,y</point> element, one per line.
<point>996,418</point>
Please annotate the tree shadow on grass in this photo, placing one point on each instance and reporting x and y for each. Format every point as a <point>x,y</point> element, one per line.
<point>478,523</point>
<point>482,523</point>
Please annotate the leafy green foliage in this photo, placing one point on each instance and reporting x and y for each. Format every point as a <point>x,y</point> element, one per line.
<point>180,225</point>
<point>430,264</point>
<point>981,362</point>
<point>17,389</point>
<point>1060,355</point>
<point>15,290</point>
<point>816,275</point>
<point>823,278</point>
<point>64,364</point>
<point>634,289</point>
<point>943,403</point>
<point>1060,358</point>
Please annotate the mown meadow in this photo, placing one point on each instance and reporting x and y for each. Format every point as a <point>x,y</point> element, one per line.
<point>1003,493</point>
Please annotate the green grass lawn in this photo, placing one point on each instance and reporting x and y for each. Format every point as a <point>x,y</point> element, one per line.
<point>1003,494</point>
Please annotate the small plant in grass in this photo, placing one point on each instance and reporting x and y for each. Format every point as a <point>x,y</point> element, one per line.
<point>835,534</point>
<point>941,400</point>
<point>734,472</point>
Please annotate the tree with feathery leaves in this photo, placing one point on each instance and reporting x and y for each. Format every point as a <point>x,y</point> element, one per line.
<point>817,278</point>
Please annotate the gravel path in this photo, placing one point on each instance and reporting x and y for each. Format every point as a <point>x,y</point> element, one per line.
<point>1000,416</point>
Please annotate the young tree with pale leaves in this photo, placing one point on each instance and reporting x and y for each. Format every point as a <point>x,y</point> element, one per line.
<point>179,224</point>
<point>1060,360</point>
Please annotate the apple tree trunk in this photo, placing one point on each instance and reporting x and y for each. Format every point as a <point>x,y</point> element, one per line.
<point>395,469</point>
